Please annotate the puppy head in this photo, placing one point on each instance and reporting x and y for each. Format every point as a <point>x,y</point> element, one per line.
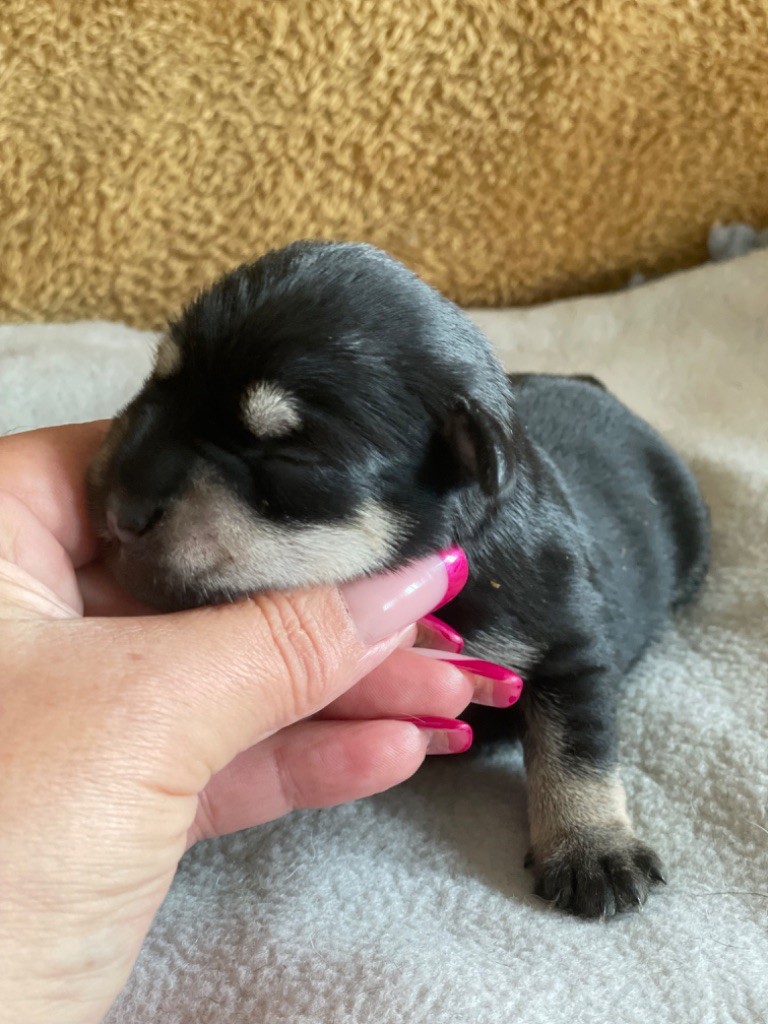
<point>313,417</point>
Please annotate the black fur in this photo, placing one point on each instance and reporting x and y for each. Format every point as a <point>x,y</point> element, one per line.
<point>583,529</point>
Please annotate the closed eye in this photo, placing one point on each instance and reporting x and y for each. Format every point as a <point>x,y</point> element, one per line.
<point>293,456</point>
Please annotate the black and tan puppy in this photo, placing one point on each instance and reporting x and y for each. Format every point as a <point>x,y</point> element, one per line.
<point>322,414</point>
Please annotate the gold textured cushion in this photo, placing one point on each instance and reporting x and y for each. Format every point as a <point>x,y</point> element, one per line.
<point>508,151</point>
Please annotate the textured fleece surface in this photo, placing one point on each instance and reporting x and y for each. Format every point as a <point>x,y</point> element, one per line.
<point>413,907</point>
<point>508,151</point>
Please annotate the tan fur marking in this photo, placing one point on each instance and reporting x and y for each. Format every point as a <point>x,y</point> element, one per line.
<point>562,799</point>
<point>268,411</point>
<point>503,648</point>
<point>212,540</point>
<point>167,358</point>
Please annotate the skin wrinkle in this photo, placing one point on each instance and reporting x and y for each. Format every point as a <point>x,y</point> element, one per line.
<point>25,545</point>
<point>23,597</point>
<point>286,783</point>
<point>301,646</point>
<point>9,530</point>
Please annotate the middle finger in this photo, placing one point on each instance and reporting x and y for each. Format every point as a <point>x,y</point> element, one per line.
<point>419,682</point>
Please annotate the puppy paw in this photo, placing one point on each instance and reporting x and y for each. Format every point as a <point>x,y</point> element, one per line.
<point>597,872</point>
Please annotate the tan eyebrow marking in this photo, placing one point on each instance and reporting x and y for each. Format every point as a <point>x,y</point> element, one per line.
<point>167,358</point>
<point>268,411</point>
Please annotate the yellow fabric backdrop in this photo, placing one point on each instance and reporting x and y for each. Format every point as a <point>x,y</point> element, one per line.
<point>508,151</point>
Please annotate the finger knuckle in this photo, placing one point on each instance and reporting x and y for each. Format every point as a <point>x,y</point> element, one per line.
<point>310,648</point>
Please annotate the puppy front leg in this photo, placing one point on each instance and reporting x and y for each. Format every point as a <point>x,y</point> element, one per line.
<point>585,855</point>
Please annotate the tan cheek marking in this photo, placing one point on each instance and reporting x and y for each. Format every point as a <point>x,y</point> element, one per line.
<point>167,358</point>
<point>268,411</point>
<point>211,540</point>
<point>561,798</point>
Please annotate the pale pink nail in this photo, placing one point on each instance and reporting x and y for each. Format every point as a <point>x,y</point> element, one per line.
<point>382,605</point>
<point>444,637</point>
<point>446,735</point>
<point>495,686</point>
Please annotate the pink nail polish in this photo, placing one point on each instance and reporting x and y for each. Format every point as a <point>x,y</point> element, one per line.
<point>444,634</point>
<point>457,568</point>
<point>447,735</point>
<point>489,669</point>
<point>382,605</point>
<point>495,694</point>
<point>497,687</point>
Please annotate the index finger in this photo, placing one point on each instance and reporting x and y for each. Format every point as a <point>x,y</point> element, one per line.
<point>46,470</point>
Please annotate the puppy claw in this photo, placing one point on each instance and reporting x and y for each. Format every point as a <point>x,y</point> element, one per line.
<point>598,873</point>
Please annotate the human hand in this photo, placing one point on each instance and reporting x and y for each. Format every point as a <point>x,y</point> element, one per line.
<point>126,736</point>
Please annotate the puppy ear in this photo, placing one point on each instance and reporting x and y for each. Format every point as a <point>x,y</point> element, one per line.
<point>482,446</point>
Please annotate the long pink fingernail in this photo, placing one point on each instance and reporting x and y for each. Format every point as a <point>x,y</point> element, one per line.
<point>384,604</point>
<point>446,735</point>
<point>443,637</point>
<point>495,685</point>
<point>457,568</point>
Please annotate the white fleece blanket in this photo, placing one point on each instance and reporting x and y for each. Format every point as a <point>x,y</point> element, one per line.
<point>414,907</point>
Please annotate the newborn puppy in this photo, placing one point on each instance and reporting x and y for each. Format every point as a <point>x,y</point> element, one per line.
<point>323,414</point>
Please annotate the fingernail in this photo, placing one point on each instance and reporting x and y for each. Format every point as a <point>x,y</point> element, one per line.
<point>446,735</point>
<point>440,636</point>
<point>384,604</point>
<point>495,686</point>
<point>457,568</point>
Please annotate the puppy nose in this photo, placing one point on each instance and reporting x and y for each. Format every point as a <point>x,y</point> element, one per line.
<point>128,520</point>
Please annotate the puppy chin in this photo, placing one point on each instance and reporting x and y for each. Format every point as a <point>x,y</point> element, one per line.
<point>174,578</point>
<point>156,587</point>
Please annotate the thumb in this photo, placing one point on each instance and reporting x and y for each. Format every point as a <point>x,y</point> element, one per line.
<point>202,686</point>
